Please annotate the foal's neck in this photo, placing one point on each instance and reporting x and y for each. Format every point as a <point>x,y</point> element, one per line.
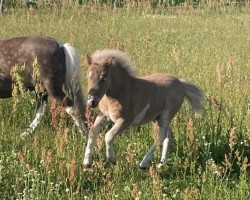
<point>120,82</point>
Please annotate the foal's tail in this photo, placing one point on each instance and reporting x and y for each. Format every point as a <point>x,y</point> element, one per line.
<point>73,78</point>
<point>194,96</point>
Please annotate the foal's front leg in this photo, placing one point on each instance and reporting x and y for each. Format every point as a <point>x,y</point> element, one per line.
<point>119,126</point>
<point>100,122</point>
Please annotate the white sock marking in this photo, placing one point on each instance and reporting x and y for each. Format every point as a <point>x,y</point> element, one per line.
<point>77,119</point>
<point>36,121</point>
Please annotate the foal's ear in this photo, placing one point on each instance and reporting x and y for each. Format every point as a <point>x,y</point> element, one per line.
<point>88,60</point>
<point>111,60</point>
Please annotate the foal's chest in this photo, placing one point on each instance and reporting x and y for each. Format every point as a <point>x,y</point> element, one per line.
<point>111,109</point>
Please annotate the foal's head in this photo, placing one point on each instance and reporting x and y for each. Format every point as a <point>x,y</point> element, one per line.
<point>98,75</point>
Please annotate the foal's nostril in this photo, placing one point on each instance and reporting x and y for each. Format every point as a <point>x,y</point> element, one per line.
<point>93,103</point>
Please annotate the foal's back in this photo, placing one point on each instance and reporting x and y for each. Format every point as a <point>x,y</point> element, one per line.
<point>162,93</point>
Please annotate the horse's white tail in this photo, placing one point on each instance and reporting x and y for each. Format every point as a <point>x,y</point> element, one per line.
<point>72,65</point>
<point>194,96</point>
<point>73,87</point>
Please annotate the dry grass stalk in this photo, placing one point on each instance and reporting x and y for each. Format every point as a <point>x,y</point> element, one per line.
<point>18,76</point>
<point>115,44</point>
<point>191,194</point>
<point>21,157</point>
<point>35,146</point>
<point>47,157</point>
<point>60,144</point>
<point>55,110</point>
<point>218,170</point>
<point>190,130</point>
<point>156,182</point>
<point>232,138</point>
<point>216,104</point>
<point>227,163</point>
<point>220,75</point>
<point>244,165</point>
<point>176,55</point>
<point>90,120</point>
<point>156,131</point>
<point>135,191</point>
<point>72,170</point>
<point>36,75</point>
<point>191,145</point>
<point>231,64</point>
<point>129,154</point>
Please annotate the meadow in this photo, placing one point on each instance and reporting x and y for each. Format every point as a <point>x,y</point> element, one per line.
<point>210,157</point>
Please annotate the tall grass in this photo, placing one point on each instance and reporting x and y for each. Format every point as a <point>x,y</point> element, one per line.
<point>210,157</point>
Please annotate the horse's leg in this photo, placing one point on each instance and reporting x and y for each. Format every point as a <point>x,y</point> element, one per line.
<point>41,105</point>
<point>119,126</point>
<point>100,122</point>
<point>166,146</point>
<point>72,111</point>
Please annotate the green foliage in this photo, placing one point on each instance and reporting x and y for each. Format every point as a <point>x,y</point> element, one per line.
<point>120,3</point>
<point>210,158</point>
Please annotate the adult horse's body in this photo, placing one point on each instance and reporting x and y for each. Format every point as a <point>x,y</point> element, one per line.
<point>58,64</point>
<point>127,100</point>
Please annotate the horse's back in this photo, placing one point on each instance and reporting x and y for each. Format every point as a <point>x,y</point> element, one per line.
<point>23,50</point>
<point>19,51</point>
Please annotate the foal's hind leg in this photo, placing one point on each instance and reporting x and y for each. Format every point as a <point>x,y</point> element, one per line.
<point>166,146</point>
<point>41,106</point>
<point>164,134</point>
<point>160,132</point>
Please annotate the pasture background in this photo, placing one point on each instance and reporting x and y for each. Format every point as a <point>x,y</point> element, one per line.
<point>210,158</point>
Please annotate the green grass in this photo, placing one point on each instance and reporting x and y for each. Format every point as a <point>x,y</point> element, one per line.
<point>207,47</point>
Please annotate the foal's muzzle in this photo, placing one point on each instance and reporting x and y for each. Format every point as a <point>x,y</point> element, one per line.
<point>92,101</point>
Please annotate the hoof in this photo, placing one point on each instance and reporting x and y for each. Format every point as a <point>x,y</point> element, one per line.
<point>144,165</point>
<point>108,164</point>
<point>86,166</point>
<point>24,135</point>
<point>112,161</point>
<point>143,168</point>
<point>160,165</point>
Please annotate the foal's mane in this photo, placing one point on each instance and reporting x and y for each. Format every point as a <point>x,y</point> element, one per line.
<point>120,57</point>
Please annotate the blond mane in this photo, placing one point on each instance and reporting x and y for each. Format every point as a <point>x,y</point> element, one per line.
<point>121,58</point>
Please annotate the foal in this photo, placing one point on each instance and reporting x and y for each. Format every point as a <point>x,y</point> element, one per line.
<point>59,68</point>
<point>128,100</point>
